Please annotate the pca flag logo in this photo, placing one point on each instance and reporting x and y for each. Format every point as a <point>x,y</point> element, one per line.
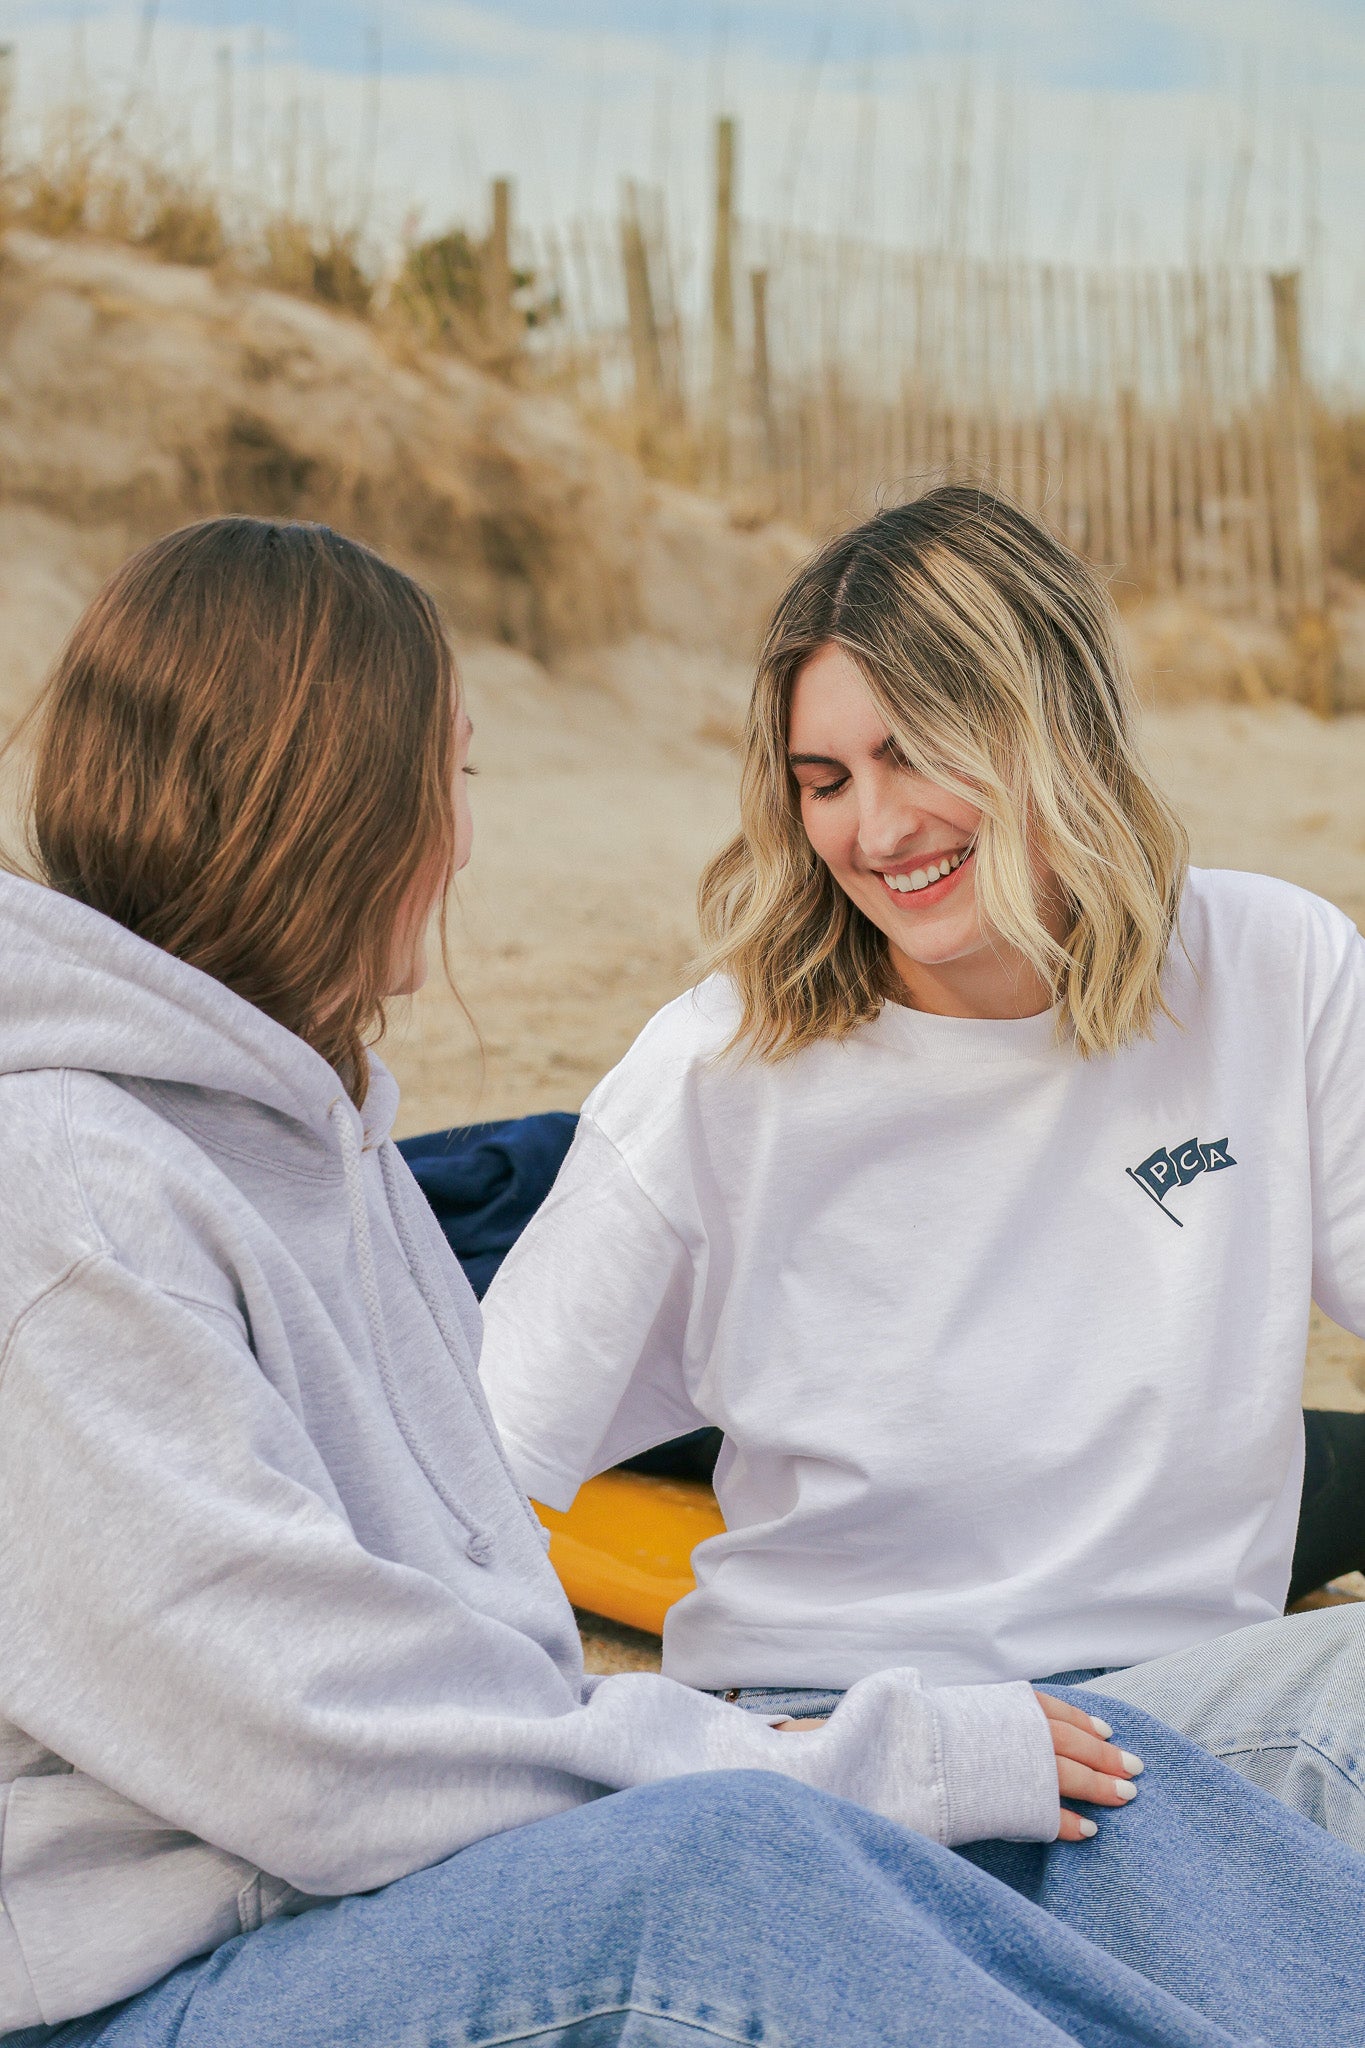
<point>1163,1170</point>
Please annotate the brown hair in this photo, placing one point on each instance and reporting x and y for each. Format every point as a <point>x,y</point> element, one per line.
<point>991,651</point>
<point>245,756</point>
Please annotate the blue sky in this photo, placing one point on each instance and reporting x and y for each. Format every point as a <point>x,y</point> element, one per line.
<point>1141,46</point>
<point>1134,128</point>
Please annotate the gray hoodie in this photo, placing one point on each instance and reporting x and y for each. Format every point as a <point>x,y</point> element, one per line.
<point>276,1622</point>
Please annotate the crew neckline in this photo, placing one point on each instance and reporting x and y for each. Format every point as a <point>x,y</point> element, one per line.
<point>997,1037</point>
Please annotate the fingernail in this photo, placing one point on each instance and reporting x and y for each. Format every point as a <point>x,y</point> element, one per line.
<point>1088,1827</point>
<point>1101,1728</point>
<point>1124,1789</point>
<point>1132,1764</point>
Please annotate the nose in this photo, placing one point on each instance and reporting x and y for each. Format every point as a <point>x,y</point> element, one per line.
<point>888,818</point>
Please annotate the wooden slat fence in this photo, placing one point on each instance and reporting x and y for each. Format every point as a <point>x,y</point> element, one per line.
<point>1155,417</point>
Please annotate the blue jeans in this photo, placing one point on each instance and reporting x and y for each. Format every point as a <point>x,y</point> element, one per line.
<point>817,1703</point>
<point>741,1907</point>
<point>1282,1702</point>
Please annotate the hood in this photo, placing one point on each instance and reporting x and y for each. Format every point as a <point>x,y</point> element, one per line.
<point>81,991</point>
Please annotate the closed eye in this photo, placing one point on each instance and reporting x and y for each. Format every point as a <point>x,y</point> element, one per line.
<point>820,790</point>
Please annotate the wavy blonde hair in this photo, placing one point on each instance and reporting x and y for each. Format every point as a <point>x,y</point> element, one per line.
<point>991,652</point>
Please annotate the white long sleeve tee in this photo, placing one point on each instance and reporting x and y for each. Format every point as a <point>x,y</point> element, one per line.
<point>1007,1346</point>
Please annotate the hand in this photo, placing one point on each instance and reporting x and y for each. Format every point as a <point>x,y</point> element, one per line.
<point>1088,1766</point>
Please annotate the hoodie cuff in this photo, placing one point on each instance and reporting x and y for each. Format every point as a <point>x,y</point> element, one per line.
<point>999,1766</point>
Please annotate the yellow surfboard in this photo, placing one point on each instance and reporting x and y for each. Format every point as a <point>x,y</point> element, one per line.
<point>624,1549</point>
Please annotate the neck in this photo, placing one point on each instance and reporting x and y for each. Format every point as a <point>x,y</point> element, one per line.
<point>989,982</point>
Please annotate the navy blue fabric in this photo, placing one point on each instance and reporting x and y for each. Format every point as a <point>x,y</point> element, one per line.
<point>485,1182</point>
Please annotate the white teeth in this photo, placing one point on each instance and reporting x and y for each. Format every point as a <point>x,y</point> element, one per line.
<point>924,878</point>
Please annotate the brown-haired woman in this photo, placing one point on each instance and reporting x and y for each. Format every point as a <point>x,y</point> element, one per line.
<point>295,1741</point>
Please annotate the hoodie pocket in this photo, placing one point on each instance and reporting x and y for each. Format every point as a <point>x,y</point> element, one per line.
<point>249,1904</point>
<point>104,1897</point>
<point>264,1898</point>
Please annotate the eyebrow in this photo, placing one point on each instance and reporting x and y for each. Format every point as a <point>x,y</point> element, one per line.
<point>887,748</point>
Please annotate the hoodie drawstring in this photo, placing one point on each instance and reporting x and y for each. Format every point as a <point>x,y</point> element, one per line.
<point>439,1310</point>
<point>478,1546</point>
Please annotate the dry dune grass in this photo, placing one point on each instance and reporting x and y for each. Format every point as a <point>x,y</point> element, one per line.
<point>136,394</point>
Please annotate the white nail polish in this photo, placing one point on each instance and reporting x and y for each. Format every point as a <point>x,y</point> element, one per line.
<point>1101,1728</point>
<point>1088,1828</point>
<point>1124,1789</point>
<point>1132,1764</point>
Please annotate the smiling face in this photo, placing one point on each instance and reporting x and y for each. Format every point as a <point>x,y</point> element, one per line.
<point>901,847</point>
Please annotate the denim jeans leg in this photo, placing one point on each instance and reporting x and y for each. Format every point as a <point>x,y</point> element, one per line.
<point>739,1907</point>
<point>1209,1886</point>
<point>795,1703</point>
<point>1283,1702</point>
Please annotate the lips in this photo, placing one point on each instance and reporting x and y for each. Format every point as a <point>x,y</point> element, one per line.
<point>928,881</point>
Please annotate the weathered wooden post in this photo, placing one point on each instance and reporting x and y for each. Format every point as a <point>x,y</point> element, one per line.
<point>6,110</point>
<point>1166,573</point>
<point>1185,513</point>
<point>645,351</point>
<point>763,376</point>
<point>1230,447</point>
<point>1298,527</point>
<point>723,295</point>
<point>667,319</point>
<point>499,314</point>
<point>1258,440</point>
<point>223,152</point>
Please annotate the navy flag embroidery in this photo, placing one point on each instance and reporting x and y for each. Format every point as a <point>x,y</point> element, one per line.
<point>1163,1170</point>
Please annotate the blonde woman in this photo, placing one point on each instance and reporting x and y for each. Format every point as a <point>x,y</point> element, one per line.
<point>980,1192</point>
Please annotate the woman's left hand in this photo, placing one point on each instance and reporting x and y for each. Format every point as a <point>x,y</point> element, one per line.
<point>1089,1768</point>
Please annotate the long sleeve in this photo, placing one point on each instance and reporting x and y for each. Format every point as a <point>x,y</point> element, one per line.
<point>190,1621</point>
<point>585,1328</point>
<point>1336,1119</point>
